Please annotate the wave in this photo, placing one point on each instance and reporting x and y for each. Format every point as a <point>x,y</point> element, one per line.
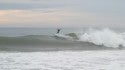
<point>104,37</point>
<point>93,37</point>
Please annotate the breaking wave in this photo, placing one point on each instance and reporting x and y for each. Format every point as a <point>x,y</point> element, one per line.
<point>103,37</point>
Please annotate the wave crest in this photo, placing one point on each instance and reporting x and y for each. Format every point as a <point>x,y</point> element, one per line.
<point>105,37</point>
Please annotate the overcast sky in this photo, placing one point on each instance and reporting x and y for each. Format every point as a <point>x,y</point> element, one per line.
<point>63,13</point>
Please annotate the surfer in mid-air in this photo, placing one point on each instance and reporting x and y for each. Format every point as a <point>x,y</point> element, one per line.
<point>57,35</point>
<point>58,30</point>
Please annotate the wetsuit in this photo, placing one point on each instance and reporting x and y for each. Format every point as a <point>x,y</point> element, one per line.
<point>58,30</point>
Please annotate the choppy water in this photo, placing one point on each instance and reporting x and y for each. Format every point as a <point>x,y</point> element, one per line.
<point>63,60</point>
<point>72,49</point>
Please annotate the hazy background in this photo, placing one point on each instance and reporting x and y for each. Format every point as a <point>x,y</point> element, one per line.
<point>62,13</point>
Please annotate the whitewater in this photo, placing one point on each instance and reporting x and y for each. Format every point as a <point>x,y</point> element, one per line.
<point>63,60</point>
<point>91,49</point>
<point>104,37</point>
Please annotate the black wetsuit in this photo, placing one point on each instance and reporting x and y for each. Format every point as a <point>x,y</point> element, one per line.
<point>58,30</point>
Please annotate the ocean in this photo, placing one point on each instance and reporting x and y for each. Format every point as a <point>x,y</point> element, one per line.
<point>71,49</point>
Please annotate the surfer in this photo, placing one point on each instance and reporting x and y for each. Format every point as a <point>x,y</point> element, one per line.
<point>58,30</point>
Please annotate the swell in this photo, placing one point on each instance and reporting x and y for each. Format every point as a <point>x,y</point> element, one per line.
<point>34,40</point>
<point>46,43</point>
<point>89,40</point>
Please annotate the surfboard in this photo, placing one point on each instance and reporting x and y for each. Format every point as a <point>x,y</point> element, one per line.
<point>61,36</point>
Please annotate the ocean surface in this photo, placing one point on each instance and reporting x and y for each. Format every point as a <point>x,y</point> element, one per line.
<point>71,49</point>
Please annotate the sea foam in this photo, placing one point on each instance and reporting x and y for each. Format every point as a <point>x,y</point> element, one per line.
<point>105,37</point>
<point>63,60</point>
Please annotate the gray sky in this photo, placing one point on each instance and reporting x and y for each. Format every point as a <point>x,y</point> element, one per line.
<point>64,13</point>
